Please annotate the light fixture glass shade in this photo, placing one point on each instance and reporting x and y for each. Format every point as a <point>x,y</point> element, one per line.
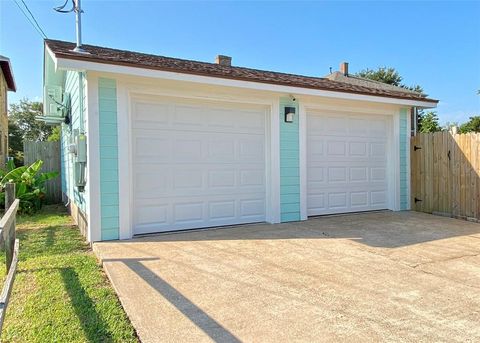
<point>289,114</point>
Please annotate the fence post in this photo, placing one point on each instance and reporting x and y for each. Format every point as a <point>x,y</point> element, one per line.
<point>10,231</point>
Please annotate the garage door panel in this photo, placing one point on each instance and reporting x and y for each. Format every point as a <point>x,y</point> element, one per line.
<point>179,146</point>
<point>323,149</point>
<point>147,113</point>
<point>197,182</point>
<point>194,116</point>
<point>152,182</point>
<point>222,210</point>
<point>334,201</point>
<point>149,214</point>
<point>346,163</point>
<point>358,174</point>
<point>358,199</point>
<point>378,174</point>
<point>192,172</point>
<point>357,149</point>
<point>163,214</point>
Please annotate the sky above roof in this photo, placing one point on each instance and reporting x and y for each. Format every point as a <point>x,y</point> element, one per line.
<point>433,44</point>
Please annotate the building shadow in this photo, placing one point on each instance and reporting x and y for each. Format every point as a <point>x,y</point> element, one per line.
<point>95,329</point>
<point>383,229</point>
<point>196,315</point>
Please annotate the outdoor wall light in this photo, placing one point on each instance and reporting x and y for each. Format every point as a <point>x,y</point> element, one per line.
<point>289,114</point>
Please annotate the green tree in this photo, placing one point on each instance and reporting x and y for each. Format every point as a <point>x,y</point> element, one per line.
<point>473,125</point>
<point>24,125</point>
<point>15,143</point>
<point>24,115</point>
<point>389,76</point>
<point>429,122</point>
<point>392,77</point>
<point>382,74</point>
<point>55,135</point>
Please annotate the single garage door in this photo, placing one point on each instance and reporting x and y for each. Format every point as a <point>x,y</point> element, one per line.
<point>197,164</point>
<point>346,163</point>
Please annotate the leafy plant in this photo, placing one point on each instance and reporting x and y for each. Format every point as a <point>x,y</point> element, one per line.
<point>29,185</point>
<point>429,123</point>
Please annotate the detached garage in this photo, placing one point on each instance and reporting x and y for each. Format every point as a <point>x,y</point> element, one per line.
<point>176,144</point>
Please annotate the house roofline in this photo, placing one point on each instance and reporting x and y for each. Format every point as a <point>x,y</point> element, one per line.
<point>131,59</point>
<point>8,73</point>
<point>82,65</point>
<point>279,83</point>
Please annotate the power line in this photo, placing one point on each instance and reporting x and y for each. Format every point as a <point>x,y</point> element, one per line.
<point>34,23</point>
<point>33,17</point>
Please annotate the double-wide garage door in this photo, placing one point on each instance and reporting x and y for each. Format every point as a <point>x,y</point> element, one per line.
<point>197,164</point>
<point>346,163</point>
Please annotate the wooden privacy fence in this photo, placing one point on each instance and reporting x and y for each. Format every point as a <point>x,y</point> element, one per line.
<point>445,174</point>
<point>49,153</point>
<point>11,244</point>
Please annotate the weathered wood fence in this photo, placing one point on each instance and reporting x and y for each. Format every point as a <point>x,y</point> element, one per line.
<point>445,174</point>
<point>11,244</point>
<point>49,153</point>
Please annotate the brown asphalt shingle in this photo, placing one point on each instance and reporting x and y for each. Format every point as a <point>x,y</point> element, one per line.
<point>146,61</point>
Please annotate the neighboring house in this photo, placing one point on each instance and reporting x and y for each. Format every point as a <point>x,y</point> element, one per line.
<point>175,144</point>
<point>7,83</point>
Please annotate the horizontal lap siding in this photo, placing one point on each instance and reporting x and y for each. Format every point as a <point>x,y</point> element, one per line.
<point>107,102</point>
<point>289,164</point>
<point>403,160</point>
<point>67,159</point>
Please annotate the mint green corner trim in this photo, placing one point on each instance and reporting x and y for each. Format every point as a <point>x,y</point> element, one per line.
<point>289,164</point>
<point>403,159</point>
<point>107,107</point>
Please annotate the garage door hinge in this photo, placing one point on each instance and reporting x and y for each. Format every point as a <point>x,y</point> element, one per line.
<point>415,148</point>
<point>417,200</point>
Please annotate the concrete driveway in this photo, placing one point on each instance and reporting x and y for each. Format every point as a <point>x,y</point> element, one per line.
<point>384,276</point>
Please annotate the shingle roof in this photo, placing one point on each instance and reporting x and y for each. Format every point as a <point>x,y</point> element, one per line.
<point>146,61</point>
<point>360,81</point>
<point>7,73</point>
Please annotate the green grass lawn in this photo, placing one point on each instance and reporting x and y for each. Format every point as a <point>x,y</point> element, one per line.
<point>60,293</point>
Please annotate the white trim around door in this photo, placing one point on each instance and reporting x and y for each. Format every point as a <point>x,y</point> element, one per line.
<point>127,97</point>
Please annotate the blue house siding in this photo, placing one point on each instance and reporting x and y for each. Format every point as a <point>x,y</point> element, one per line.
<point>403,159</point>
<point>77,101</point>
<point>289,164</point>
<point>107,102</point>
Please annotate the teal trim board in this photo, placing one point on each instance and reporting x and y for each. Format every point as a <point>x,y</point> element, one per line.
<point>403,159</point>
<point>107,106</point>
<point>289,164</point>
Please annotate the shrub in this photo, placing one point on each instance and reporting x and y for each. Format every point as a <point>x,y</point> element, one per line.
<point>29,185</point>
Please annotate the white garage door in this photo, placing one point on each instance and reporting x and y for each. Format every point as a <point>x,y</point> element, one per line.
<point>197,165</point>
<point>346,163</point>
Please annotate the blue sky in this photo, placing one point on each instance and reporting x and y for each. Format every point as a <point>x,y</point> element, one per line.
<point>433,44</point>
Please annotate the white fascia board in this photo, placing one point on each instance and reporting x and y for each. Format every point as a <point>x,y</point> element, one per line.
<point>70,64</point>
<point>52,56</point>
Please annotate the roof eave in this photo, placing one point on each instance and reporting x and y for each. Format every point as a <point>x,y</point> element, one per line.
<point>81,63</point>
<point>8,73</point>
